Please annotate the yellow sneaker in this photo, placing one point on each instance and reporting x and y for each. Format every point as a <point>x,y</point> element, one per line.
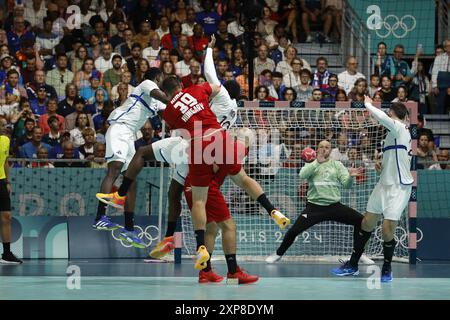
<point>112,199</point>
<point>202,258</point>
<point>280,219</point>
<point>163,248</point>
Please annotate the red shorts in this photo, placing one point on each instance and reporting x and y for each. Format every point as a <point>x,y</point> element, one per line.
<point>220,149</point>
<point>216,207</point>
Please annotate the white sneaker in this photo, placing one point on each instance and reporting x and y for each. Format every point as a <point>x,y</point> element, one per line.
<point>273,258</point>
<point>366,260</point>
<point>309,39</point>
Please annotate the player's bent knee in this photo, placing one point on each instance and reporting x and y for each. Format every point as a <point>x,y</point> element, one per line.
<point>228,226</point>
<point>369,221</point>
<point>212,228</point>
<point>6,217</point>
<point>114,169</point>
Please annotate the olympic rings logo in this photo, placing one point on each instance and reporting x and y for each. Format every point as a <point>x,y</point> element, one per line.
<point>401,236</point>
<point>147,235</point>
<point>398,27</point>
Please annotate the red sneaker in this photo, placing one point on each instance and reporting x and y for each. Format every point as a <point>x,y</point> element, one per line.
<point>242,276</point>
<point>209,276</point>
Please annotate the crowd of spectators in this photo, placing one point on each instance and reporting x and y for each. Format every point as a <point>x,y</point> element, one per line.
<point>61,77</point>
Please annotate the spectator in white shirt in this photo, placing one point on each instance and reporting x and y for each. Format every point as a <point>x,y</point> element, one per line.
<point>440,77</point>
<point>285,66</point>
<point>187,28</point>
<point>443,156</point>
<point>124,79</point>
<point>151,53</point>
<point>164,27</point>
<point>104,62</point>
<point>35,12</point>
<point>348,78</point>
<point>340,152</point>
<point>109,10</point>
<point>182,67</point>
<point>292,79</point>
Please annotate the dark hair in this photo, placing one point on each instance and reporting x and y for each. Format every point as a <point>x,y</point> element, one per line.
<point>404,88</point>
<point>277,74</point>
<point>45,19</point>
<point>262,87</point>
<point>340,91</point>
<point>385,76</point>
<point>29,120</point>
<point>59,55</point>
<point>373,75</point>
<point>307,72</point>
<point>77,119</point>
<point>316,89</point>
<point>233,89</point>
<point>163,49</point>
<point>170,83</point>
<point>51,119</point>
<point>399,110</point>
<point>152,73</point>
<point>293,90</point>
<point>36,127</point>
<point>78,100</point>
<point>380,43</point>
<point>136,45</point>
<point>321,59</point>
<point>12,71</point>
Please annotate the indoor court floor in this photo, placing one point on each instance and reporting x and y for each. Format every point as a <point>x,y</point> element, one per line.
<point>136,280</point>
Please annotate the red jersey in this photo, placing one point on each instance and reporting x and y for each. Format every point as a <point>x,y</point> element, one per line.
<point>191,105</point>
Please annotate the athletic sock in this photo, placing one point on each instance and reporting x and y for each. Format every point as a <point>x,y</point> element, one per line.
<point>208,263</point>
<point>129,221</point>
<point>125,186</point>
<point>360,238</point>
<point>200,238</point>
<point>6,247</point>
<point>171,226</point>
<point>101,210</point>
<point>388,252</point>
<point>262,199</point>
<point>231,263</point>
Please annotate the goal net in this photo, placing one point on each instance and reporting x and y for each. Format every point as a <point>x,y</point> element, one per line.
<point>274,160</point>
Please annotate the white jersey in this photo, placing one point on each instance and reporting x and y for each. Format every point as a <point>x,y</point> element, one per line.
<point>138,107</point>
<point>222,105</point>
<point>396,166</point>
<point>224,108</point>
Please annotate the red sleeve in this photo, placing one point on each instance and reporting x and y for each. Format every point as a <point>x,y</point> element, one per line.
<point>207,88</point>
<point>166,41</point>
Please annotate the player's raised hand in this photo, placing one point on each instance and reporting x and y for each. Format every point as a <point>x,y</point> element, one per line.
<point>355,172</point>
<point>378,166</point>
<point>367,99</point>
<point>212,43</point>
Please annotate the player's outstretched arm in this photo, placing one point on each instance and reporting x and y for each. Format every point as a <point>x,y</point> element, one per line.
<point>379,115</point>
<point>159,95</point>
<point>215,90</point>
<point>210,69</point>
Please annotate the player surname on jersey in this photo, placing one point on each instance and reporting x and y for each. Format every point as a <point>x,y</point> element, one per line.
<point>186,116</point>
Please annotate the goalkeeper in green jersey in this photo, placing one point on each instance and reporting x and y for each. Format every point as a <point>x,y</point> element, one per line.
<point>325,178</point>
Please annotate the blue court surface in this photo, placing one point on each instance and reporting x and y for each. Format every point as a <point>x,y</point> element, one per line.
<point>137,280</point>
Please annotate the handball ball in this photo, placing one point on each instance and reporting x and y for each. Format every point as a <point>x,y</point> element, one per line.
<point>308,155</point>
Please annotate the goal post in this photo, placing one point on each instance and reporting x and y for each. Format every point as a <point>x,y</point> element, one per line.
<point>279,134</point>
